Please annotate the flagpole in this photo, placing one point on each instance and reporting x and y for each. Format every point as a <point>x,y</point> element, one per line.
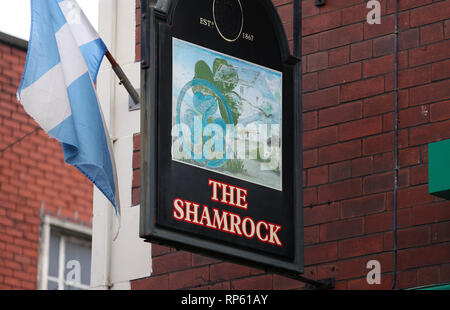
<point>123,80</point>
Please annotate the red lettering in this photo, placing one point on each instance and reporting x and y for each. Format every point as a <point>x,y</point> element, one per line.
<point>235,222</point>
<point>258,231</point>
<point>273,230</point>
<point>230,195</point>
<point>178,211</point>
<point>251,223</point>
<point>214,185</point>
<point>191,209</point>
<point>224,221</point>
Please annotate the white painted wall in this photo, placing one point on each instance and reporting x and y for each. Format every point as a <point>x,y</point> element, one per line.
<point>116,262</point>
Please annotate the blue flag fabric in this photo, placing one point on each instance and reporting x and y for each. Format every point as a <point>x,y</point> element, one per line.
<point>57,89</point>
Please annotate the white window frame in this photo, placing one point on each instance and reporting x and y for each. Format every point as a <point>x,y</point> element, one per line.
<point>69,232</point>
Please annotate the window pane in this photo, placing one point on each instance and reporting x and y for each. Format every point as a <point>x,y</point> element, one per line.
<point>53,255</point>
<point>80,262</point>
<point>52,285</point>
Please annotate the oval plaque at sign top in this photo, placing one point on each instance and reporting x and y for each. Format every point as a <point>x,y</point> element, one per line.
<point>228,19</point>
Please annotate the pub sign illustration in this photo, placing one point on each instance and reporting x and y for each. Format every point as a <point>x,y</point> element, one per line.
<point>221,132</point>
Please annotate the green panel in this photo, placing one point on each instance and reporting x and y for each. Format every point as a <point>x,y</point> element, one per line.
<point>439,287</point>
<point>439,168</point>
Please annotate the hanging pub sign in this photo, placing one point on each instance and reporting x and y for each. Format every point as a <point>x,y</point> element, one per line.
<point>221,167</point>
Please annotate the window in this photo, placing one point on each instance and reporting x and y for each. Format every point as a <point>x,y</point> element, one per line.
<point>65,256</point>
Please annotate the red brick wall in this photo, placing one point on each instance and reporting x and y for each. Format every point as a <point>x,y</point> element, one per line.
<point>33,175</point>
<point>348,120</point>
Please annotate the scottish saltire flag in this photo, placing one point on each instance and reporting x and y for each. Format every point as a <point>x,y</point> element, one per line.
<point>57,89</point>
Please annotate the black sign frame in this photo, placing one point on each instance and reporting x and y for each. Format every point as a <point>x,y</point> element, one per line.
<point>156,180</point>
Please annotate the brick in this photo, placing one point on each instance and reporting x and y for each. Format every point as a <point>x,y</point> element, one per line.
<point>406,5</point>
<point>428,275</point>
<point>431,33</point>
<point>383,46</point>
<point>362,166</point>
<point>339,114</point>
<point>339,190</point>
<point>200,260</point>
<point>378,222</point>
<point>361,50</point>
<point>409,157</point>
<point>341,270</point>
<point>309,120</point>
<point>340,171</point>
<point>363,206</point>
<point>228,271</point>
<point>310,44</point>
<point>215,286</point>
<point>320,137</point>
<point>413,77</point>
<point>309,158</point>
<point>136,196</point>
<point>440,232</point>
<point>413,196</point>
<point>376,30</point>
<point>360,246</point>
<point>262,282</point>
<point>320,23</point>
<point>440,70</point>
<point>285,11</point>
<point>338,5</point>
<point>309,196</point>
<point>284,283</point>
<point>406,279</point>
<point>171,262</point>
<point>378,144</point>
<point>320,214</point>
<point>340,75</point>
<point>445,272</point>
<point>354,14</point>
<point>414,116</point>
<point>321,99</point>
<point>318,175</point>
<point>408,39</point>
<point>317,61</point>
<point>430,53</point>
<point>152,283</point>
<point>321,253</point>
<point>341,229</point>
<point>136,160</point>
<point>377,66</point>
<point>362,89</point>
<point>409,237</point>
<point>423,256</point>
<point>430,93</point>
<point>430,13</point>
<point>136,142</point>
<point>378,183</point>
<point>339,56</point>
<point>309,82</point>
<point>311,235</point>
<point>429,133</point>
<point>341,36</point>
<point>447,29</point>
<point>362,284</point>
<point>419,175</point>
<point>136,178</point>
<point>383,162</point>
<point>188,278</point>
<point>360,128</point>
<point>339,152</point>
<point>158,250</point>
